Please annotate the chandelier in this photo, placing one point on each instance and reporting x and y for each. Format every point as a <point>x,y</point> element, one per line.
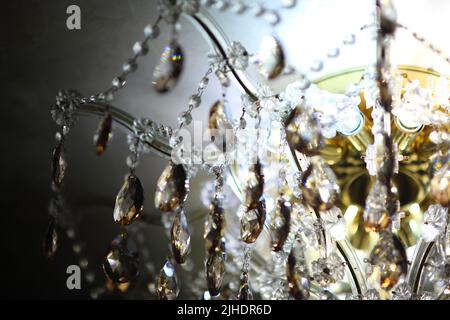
<point>333,187</point>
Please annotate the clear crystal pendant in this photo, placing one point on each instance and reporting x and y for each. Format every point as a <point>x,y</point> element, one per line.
<point>180,237</point>
<point>167,284</point>
<point>376,213</point>
<point>172,188</point>
<point>129,201</point>
<point>121,264</point>
<point>168,70</point>
<point>103,134</point>
<point>271,57</point>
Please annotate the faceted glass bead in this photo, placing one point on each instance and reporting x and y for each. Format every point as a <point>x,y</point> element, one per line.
<point>271,57</point>
<point>319,185</point>
<point>378,207</point>
<point>51,240</point>
<point>215,270</point>
<point>254,186</point>
<point>218,119</point>
<point>214,227</point>
<point>434,222</point>
<point>59,164</point>
<point>390,256</point>
<point>172,188</point>
<point>151,32</point>
<point>245,292</point>
<point>167,284</point>
<point>168,70</point>
<point>280,224</point>
<point>180,237</point>
<point>297,273</point>
<point>129,201</point>
<point>121,264</point>
<point>252,221</point>
<point>303,131</point>
<point>103,134</point>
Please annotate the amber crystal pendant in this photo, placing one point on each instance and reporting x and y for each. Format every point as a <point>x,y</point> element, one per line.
<point>168,70</point>
<point>129,201</point>
<point>172,188</point>
<point>180,237</point>
<point>121,264</point>
<point>103,134</point>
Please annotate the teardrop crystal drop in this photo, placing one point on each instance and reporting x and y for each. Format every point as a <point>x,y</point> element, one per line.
<point>303,131</point>
<point>319,185</point>
<point>215,271</point>
<point>390,256</point>
<point>376,213</point>
<point>59,164</point>
<point>129,201</point>
<point>121,264</point>
<point>440,185</point>
<point>254,186</point>
<point>252,221</point>
<point>167,284</point>
<point>103,134</point>
<point>51,240</point>
<point>168,70</point>
<point>180,237</point>
<point>218,125</point>
<point>280,224</point>
<point>214,227</point>
<point>245,292</point>
<point>172,188</point>
<point>271,57</point>
<point>297,273</point>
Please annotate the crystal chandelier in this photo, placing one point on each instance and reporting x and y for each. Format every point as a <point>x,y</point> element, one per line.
<point>318,187</point>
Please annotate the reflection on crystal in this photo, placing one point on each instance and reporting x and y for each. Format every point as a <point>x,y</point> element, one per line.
<point>214,227</point>
<point>180,237</point>
<point>303,131</point>
<point>376,213</point>
<point>280,224</point>
<point>334,222</point>
<point>271,57</point>
<point>168,70</point>
<point>390,256</point>
<point>254,187</point>
<point>402,292</point>
<point>215,270</point>
<point>167,286</point>
<point>172,188</point>
<point>218,125</point>
<point>319,187</point>
<point>122,288</point>
<point>51,240</point>
<point>297,273</point>
<point>434,222</point>
<point>121,264</point>
<point>59,164</point>
<point>388,17</point>
<point>245,292</point>
<point>103,134</point>
<point>252,221</point>
<point>129,201</point>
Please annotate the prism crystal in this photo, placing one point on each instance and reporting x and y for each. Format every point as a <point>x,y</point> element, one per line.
<point>319,185</point>
<point>172,188</point>
<point>390,256</point>
<point>121,264</point>
<point>297,273</point>
<point>214,226</point>
<point>167,284</point>
<point>103,134</point>
<point>59,164</point>
<point>378,207</point>
<point>180,237</point>
<point>280,224</point>
<point>252,221</point>
<point>168,70</point>
<point>215,270</point>
<point>129,201</point>
<point>51,240</point>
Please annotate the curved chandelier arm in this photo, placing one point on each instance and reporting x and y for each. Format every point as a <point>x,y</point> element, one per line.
<point>421,253</point>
